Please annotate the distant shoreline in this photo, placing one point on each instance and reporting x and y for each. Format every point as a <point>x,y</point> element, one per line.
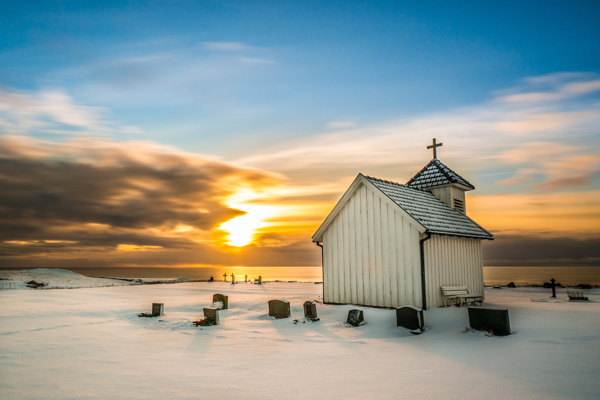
<point>569,276</point>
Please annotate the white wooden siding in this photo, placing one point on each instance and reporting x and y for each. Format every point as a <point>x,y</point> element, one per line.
<point>371,254</point>
<point>452,261</point>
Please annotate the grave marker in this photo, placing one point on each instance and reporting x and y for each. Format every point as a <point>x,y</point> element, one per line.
<point>279,308</point>
<point>158,309</point>
<point>411,318</point>
<point>221,298</point>
<point>310,310</point>
<point>232,279</point>
<point>492,320</point>
<point>212,314</point>
<point>355,317</point>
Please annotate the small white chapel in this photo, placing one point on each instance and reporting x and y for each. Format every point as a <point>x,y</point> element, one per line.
<point>386,244</point>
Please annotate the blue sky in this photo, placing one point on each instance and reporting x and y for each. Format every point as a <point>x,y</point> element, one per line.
<point>308,94</point>
<point>291,67</point>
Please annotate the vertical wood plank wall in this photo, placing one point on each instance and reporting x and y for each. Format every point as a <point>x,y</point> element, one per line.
<point>371,255</point>
<point>452,261</point>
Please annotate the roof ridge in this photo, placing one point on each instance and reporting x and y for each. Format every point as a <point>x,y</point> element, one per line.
<point>383,180</point>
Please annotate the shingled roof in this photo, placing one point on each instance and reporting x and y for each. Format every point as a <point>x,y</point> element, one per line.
<point>437,174</point>
<point>430,212</point>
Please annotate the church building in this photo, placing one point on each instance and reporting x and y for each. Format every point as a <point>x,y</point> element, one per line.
<point>386,244</point>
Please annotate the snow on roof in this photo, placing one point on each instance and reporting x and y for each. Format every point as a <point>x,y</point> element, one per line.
<point>430,212</point>
<point>437,174</point>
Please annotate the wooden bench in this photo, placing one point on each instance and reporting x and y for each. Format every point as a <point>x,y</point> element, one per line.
<point>459,295</point>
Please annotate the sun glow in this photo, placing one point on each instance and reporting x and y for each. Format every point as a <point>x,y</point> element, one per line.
<point>241,230</point>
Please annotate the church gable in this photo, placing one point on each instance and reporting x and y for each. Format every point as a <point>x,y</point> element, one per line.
<point>359,182</point>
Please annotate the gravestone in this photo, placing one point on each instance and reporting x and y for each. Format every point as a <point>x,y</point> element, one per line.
<point>410,317</point>
<point>355,317</point>
<point>212,314</point>
<point>232,279</point>
<point>221,298</point>
<point>225,277</point>
<point>493,320</point>
<point>310,310</point>
<point>279,308</point>
<point>260,280</point>
<point>158,309</point>
<point>245,278</point>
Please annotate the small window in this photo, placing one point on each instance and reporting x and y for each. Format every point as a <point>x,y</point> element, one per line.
<point>459,205</point>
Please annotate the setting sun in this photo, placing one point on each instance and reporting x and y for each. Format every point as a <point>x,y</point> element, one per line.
<point>241,230</point>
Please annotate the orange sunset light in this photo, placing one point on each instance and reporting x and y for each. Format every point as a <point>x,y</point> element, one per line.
<point>241,230</point>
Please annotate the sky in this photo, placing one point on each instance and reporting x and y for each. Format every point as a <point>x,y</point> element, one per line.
<point>223,133</point>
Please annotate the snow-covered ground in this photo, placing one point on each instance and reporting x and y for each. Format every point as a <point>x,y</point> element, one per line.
<point>89,344</point>
<point>56,278</point>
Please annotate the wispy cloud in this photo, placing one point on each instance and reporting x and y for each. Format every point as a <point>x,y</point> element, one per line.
<point>557,87</point>
<point>134,75</point>
<point>227,46</point>
<point>22,111</point>
<point>536,144</point>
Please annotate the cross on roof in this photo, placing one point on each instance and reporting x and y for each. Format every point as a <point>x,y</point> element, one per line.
<point>433,146</point>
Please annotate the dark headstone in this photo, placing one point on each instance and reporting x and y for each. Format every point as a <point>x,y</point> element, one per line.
<point>411,318</point>
<point>355,317</point>
<point>279,308</point>
<point>489,320</point>
<point>310,310</point>
<point>158,309</point>
<point>221,298</point>
<point>511,285</point>
<point>212,314</point>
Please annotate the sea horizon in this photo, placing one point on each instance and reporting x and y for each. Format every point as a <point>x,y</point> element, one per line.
<point>493,275</point>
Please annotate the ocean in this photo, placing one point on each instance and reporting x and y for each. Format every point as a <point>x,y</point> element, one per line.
<point>568,276</point>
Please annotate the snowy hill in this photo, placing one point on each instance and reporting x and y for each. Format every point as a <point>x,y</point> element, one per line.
<point>54,278</point>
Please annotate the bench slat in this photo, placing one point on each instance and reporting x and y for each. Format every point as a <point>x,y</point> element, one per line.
<point>460,293</point>
<point>454,288</point>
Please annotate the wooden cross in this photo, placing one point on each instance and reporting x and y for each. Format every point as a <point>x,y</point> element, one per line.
<point>433,146</point>
<point>225,277</point>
